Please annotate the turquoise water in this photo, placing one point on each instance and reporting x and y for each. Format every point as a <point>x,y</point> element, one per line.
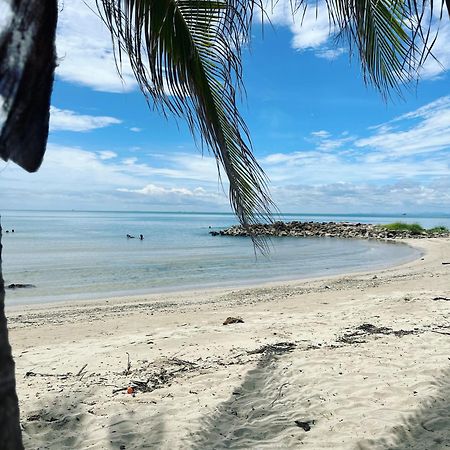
<point>83,255</point>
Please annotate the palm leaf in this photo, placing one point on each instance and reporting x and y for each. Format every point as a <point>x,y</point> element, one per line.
<point>186,55</point>
<point>393,38</point>
<point>386,48</point>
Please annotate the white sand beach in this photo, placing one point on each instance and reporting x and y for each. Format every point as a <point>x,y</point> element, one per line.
<point>359,361</point>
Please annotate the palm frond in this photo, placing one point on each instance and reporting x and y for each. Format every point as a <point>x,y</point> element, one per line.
<point>386,48</point>
<point>393,38</point>
<point>186,56</point>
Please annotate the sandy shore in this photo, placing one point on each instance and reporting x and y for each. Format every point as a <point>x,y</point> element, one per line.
<point>362,360</point>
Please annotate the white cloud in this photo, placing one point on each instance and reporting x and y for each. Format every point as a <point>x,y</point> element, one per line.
<point>325,143</point>
<point>430,134</point>
<point>320,134</point>
<point>402,164</point>
<point>341,197</point>
<point>311,28</point>
<point>76,178</point>
<point>435,68</point>
<point>441,104</point>
<point>66,120</point>
<point>317,167</point>
<point>85,52</point>
<point>413,147</point>
<point>330,53</point>
<point>171,194</point>
<point>107,154</point>
<point>135,129</point>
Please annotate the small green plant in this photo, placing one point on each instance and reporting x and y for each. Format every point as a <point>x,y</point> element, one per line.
<point>413,228</point>
<point>438,230</point>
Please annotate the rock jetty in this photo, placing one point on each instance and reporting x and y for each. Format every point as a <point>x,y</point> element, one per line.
<point>326,229</point>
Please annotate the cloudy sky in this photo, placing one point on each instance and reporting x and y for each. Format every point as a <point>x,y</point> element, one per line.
<point>327,142</point>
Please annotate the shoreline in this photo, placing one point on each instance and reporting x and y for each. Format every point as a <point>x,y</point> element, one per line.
<point>208,291</point>
<point>91,298</point>
<point>359,357</point>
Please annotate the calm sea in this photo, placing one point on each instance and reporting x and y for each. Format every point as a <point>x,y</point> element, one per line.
<point>83,255</point>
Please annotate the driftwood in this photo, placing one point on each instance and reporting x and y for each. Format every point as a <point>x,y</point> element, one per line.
<point>62,376</point>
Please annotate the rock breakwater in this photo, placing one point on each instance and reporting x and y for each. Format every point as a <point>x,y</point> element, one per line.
<point>326,229</point>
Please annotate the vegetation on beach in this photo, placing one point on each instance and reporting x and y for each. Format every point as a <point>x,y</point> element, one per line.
<point>414,228</point>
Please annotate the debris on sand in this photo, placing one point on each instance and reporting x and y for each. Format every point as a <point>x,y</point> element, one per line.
<point>366,329</point>
<point>306,425</point>
<point>20,286</point>
<point>230,320</point>
<point>279,347</point>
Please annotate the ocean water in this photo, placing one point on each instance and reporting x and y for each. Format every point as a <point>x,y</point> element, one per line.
<point>83,255</point>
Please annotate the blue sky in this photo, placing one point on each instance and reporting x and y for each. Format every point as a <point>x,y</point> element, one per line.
<point>327,142</point>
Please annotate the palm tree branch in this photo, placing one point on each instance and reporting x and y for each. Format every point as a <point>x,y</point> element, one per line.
<point>186,55</point>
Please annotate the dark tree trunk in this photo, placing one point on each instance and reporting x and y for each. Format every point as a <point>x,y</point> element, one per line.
<point>27,65</point>
<point>10,432</point>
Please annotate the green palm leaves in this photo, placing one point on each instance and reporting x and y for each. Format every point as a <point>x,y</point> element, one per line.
<point>186,55</point>
<point>393,37</point>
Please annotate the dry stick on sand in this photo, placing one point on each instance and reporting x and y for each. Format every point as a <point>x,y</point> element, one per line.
<point>128,369</point>
<point>440,332</point>
<point>63,376</point>
<point>279,393</point>
<point>81,370</point>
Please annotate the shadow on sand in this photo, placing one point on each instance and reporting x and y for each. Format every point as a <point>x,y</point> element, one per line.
<point>426,429</point>
<point>65,417</point>
<point>64,424</point>
<point>125,432</point>
<point>255,415</point>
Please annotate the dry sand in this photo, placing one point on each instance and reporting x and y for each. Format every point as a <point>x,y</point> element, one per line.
<point>363,359</point>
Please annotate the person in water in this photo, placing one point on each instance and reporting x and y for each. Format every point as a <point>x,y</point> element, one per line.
<point>129,236</point>
<point>141,237</point>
